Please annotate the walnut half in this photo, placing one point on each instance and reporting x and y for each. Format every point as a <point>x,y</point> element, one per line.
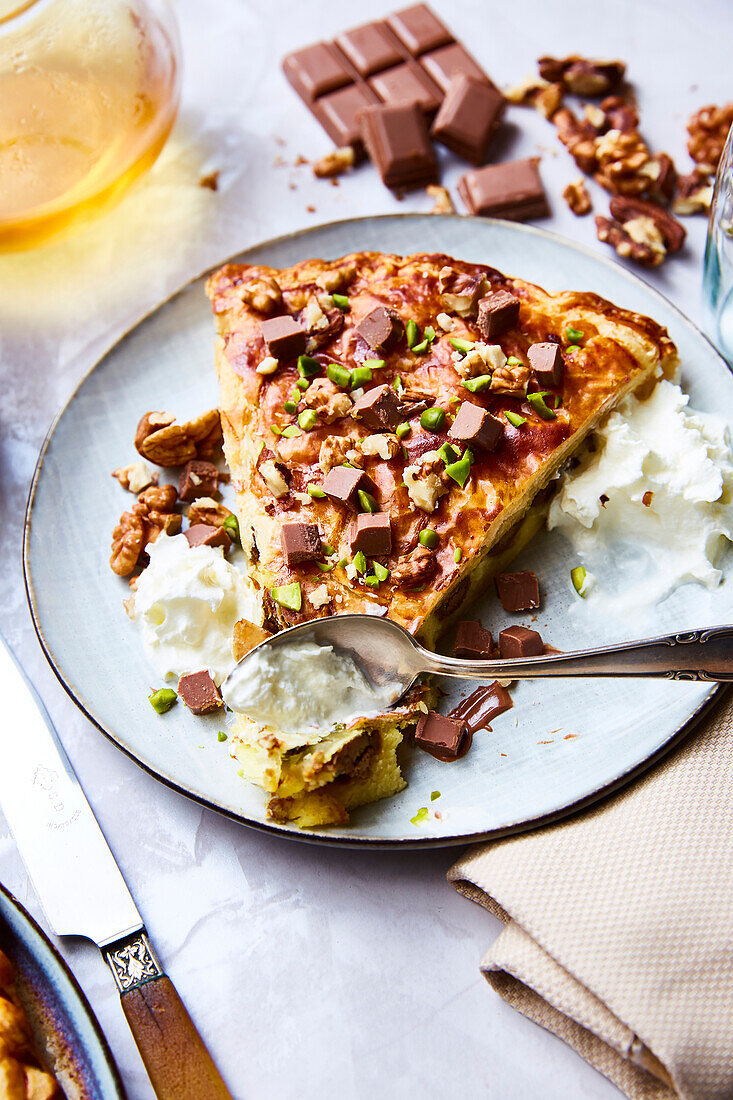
<point>164,443</point>
<point>152,514</point>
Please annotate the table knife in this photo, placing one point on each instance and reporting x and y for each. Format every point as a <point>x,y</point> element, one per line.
<point>84,894</point>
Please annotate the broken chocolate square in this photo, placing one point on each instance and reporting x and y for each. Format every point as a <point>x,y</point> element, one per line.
<point>199,692</point>
<point>397,140</point>
<point>284,337</point>
<point>204,534</point>
<point>511,190</point>
<point>378,408</point>
<point>476,426</point>
<point>343,482</point>
<point>497,312</point>
<point>518,641</point>
<point>468,118</point>
<point>472,641</point>
<point>300,542</point>
<point>381,328</point>
<point>198,479</point>
<point>372,534</point>
<point>518,591</point>
<point>547,363</point>
<point>441,736</point>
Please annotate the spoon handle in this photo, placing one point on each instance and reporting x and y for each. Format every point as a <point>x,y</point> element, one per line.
<point>691,655</point>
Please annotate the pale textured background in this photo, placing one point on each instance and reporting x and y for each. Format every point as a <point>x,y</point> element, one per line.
<point>310,972</point>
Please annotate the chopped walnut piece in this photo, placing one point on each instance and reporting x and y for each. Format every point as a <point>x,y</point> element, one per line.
<point>526,91</point>
<point>620,156</point>
<point>644,253</point>
<point>128,542</point>
<point>577,197</point>
<point>329,402</point>
<point>263,295</point>
<point>321,326</point>
<point>273,479</point>
<point>335,163</point>
<point>461,291</point>
<point>619,114</point>
<point>333,451</point>
<point>150,515</point>
<point>582,75</point>
<point>549,100</point>
<point>209,511</point>
<point>694,193</point>
<point>442,201</point>
<point>415,568</point>
<point>426,481</point>
<point>669,229</point>
<point>319,597</point>
<point>135,477</point>
<point>337,278</point>
<point>511,380</point>
<point>708,128</point>
<point>385,446</point>
<point>164,443</point>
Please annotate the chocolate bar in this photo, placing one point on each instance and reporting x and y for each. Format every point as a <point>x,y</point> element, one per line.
<point>284,337</point>
<point>381,329</point>
<point>399,147</point>
<point>512,190</point>
<point>468,117</point>
<point>408,57</point>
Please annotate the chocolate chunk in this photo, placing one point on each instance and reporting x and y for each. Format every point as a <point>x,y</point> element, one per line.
<point>468,117</point>
<point>441,736</point>
<point>381,329</point>
<point>497,312</point>
<point>407,84</point>
<point>338,114</point>
<point>511,190</point>
<point>477,426</point>
<point>473,641</point>
<point>419,29</point>
<point>199,692</point>
<point>198,479</point>
<point>518,591</point>
<point>547,363</point>
<point>204,534</point>
<point>448,61</point>
<point>370,48</point>
<point>342,483</point>
<point>300,542</point>
<point>316,70</point>
<point>284,337</point>
<point>518,641</point>
<point>372,534</point>
<point>378,408</point>
<point>396,139</point>
<point>483,704</point>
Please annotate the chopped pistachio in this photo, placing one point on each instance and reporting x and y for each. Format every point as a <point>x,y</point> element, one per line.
<point>429,538</point>
<point>421,348</point>
<point>448,453</point>
<point>537,401</point>
<point>315,491</point>
<point>325,567</point>
<point>381,572</point>
<point>457,554</point>
<point>574,334</point>
<point>514,418</point>
<point>572,348</point>
<point>429,333</point>
<point>372,582</point>
<point>360,562</point>
<point>558,400</point>
<point>308,367</point>
<point>342,563</point>
<point>402,430</point>
<point>460,471</point>
<point>290,406</point>
<point>260,447</point>
<point>302,384</point>
<point>291,431</point>
<point>434,795</point>
<point>231,526</point>
<point>328,550</point>
<point>288,595</point>
<point>412,333</point>
<point>464,346</point>
<point>275,430</point>
<point>398,384</point>
<point>577,576</point>
<point>341,301</point>
<point>433,419</point>
<point>374,364</point>
<point>359,376</point>
<point>478,384</point>
<point>162,700</point>
<point>367,501</point>
<point>421,815</point>
<point>512,361</point>
<point>308,419</point>
<point>221,736</point>
<point>340,376</point>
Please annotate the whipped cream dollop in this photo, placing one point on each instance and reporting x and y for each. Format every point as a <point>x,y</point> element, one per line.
<point>651,507</point>
<point>186,604</point>
<point>304,686</point>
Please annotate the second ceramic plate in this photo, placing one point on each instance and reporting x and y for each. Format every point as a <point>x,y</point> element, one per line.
<point>564,741</point>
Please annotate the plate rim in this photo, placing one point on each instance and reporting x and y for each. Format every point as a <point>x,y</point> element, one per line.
<point>26,919</point>
<point>342,841</point>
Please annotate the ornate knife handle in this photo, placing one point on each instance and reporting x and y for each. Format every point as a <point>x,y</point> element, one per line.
<point>174,1054</point>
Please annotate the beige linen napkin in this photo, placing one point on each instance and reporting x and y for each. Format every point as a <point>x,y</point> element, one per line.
<point>619,923</point>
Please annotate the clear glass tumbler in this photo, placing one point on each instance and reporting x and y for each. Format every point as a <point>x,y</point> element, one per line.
<point>718,276</point>
<point>89,91</point>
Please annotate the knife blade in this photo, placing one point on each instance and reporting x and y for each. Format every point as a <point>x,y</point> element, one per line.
<point>83,893</point>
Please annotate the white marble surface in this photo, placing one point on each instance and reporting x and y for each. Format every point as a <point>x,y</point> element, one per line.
<point>310,972</point>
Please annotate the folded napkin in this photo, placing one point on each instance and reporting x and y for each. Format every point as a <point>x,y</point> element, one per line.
<point>619,923</point>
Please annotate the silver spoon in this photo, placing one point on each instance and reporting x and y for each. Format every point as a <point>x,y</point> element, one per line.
<point>390,656</point>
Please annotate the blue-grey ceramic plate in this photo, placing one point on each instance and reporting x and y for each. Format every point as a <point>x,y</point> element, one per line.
<point>65,1028</point>
<point>562,744</point>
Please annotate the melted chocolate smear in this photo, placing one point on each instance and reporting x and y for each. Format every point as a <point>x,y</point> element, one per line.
<point>482,705</point>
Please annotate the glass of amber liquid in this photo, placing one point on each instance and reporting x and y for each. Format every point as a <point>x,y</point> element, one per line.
<point>89,91</point>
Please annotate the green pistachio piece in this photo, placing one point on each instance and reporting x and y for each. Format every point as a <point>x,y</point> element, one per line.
<point>372,582</point>
<point>402,430</point>
<point>307,419</point>
<point>291,431</point>
<point>367,501</point>
<point>260,447</point>
<point>448,453</point>
<point>360,562</point>
<point>412,333</point>
<point>315,491</point>
<point>460,471</point>
<point>464,346</point>
<point>577,576</point>
<point>512,361</point>
<point>434,795</point>
<point>374,364</point>
<point>572,348</point>
<point>308,367</point>
<point>421,815</point>
<point>275,430</point>
<point>288,595</point>
<point>231,526</point>
<point>574,334</point>
<point>457,554</point>
<point>421,348</point>
<point>341,301</point>
<point>478,384</point>
<point>537,401</point>
<point>221,736</point>
<point>290,407</point>
<point>433,420</point>
<point>429,333</point>
<point>325,567</point>
<point>514,418</point>
<point>340,376</point>
<point>163,699</point>
<point>302,384</point>
<point>381,572</point>
<point>429,538</point>
<point>359,376</point>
